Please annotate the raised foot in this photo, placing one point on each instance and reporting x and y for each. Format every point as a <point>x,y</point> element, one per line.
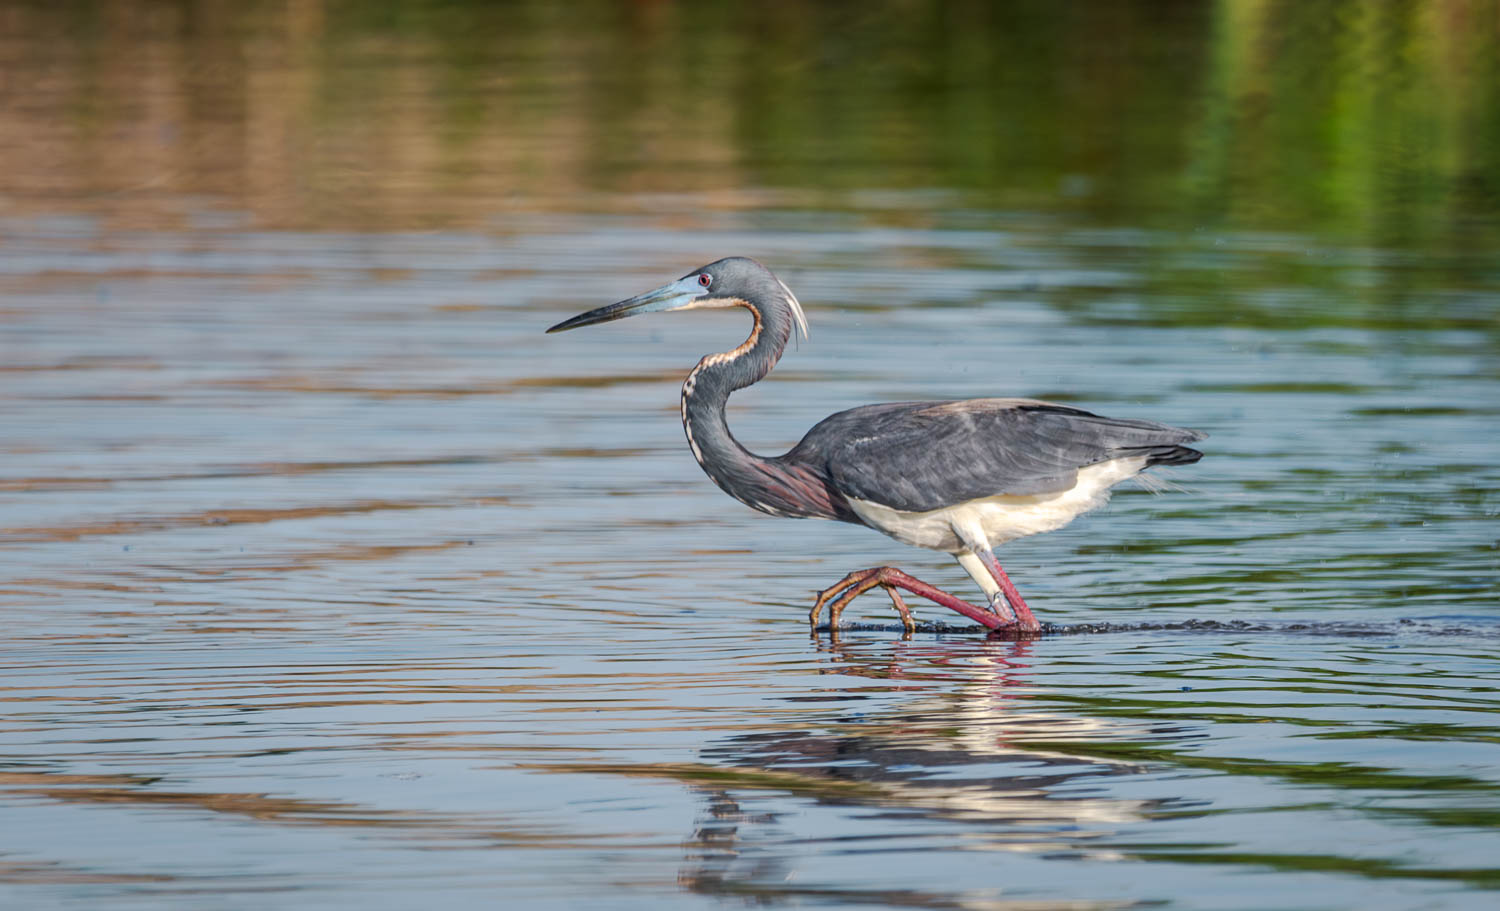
<point>841,593</point>
<point>854,585</point>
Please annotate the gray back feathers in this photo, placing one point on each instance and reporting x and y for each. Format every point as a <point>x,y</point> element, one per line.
<point>921,456</point>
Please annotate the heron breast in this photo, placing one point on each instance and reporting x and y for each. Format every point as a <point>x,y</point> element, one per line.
<point>1000,518</point>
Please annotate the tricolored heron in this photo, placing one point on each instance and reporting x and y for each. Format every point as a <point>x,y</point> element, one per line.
<point>962,477</point>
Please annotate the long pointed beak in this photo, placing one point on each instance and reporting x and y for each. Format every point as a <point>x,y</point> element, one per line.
<point>675,296</point>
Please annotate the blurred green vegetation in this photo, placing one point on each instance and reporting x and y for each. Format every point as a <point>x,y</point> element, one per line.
<point>1293,164</point>
<point>1375,120</point>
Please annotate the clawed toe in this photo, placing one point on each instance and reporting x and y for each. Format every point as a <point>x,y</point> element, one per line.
<point>842,593</point>
<point>849,581</point>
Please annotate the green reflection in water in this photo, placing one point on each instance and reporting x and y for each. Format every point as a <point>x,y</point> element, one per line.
<point>1341,775</point>
<point>1327,863</point>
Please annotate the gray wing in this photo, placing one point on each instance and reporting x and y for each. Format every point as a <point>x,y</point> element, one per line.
<point>920,456</point>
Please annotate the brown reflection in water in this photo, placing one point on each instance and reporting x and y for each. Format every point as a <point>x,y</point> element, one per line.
<point>51,779</point>
<point>54,874</point>
<point>256,806</point>
<point>240,516</point>
<point>137,791</point>
<point>264,469</point>
<point>241,570</point>
<point>312,384</point>
<point>309,559</point>
<point>102,362</point>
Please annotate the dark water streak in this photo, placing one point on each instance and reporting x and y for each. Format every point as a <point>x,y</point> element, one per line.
<point>1481,627</point>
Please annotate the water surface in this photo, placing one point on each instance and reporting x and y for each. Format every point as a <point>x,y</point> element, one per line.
<point>330,581</point>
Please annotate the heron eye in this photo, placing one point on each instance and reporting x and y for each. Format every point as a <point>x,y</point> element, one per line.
<point>705,279</point>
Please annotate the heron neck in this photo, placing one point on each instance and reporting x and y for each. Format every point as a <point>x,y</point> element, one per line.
<point>770,485</point>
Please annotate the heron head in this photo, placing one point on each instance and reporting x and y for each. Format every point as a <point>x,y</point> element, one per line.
<point>732,282</point>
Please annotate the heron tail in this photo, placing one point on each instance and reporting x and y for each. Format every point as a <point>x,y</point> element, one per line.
<point>1167,455</point>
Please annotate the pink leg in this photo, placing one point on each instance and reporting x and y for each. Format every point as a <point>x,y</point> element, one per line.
<point>1026,620</point>
<point>892,577</point>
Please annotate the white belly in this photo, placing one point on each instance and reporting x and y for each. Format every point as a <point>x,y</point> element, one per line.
<point>996,520</point>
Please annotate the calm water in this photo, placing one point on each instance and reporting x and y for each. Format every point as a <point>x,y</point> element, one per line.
<point>330,581</point>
